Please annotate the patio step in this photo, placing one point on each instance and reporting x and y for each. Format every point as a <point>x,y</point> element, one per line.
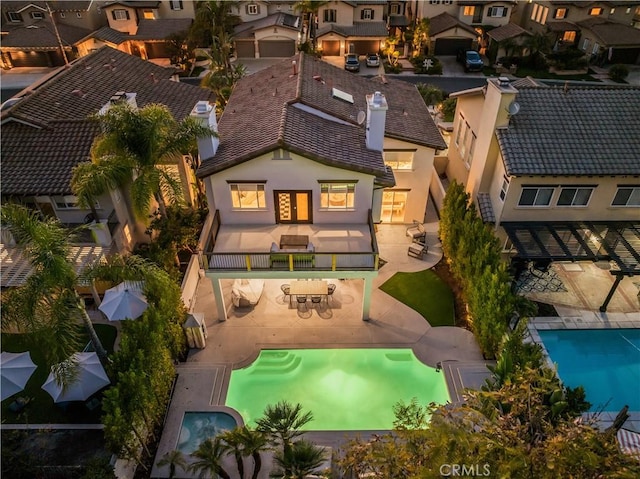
<point>278,365</point>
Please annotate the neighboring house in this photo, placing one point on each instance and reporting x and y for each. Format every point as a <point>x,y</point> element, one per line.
<point>555,170</point>
<point>275,35</point>
<point>48,132</point>
<point>604,30</point>
<point>351,27</point>
<point>309,149</point>
<point>507,40</point>
<point>30,37</point>
<point>447,35</point>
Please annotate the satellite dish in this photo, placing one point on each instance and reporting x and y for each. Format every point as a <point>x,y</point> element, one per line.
<point>361,117</point>
<point>513,108</point>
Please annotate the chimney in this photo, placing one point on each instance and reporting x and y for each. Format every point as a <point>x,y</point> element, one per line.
<point>376,116</point>
<point>205,113</point>
<point>295,67</point>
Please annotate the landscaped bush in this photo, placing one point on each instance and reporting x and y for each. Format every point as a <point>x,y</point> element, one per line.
<point>418,63</point>
<point>570,59</point>
<point>431,94</point>
<point>618,72</point>
<point>448,108</point>
<point>388,68</point>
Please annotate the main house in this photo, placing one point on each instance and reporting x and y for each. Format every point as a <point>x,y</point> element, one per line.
<point>554,170</point>
<point>48,132</point>
<point>309,150</point>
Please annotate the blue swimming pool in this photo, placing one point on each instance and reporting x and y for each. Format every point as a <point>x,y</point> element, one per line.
<point>199,426</point>
<point>606,362</point>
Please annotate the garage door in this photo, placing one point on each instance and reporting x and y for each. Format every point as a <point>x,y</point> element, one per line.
<point>277,48</point>
<point>362,47</point>
<point>625,55</point>
<point>157,50</point>
<point>450,46</point>
<point>245,49</point>
<point>36,59</point>
<point>331,48</point>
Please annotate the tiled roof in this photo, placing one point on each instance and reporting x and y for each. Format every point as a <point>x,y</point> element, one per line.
<point>40,160</point>
<point>161,28</point>
<point>135,4</point>
<point>258,117</point>
<point>56,5</point>
<point>583,131</point>
<point>486,208</point>
<point>107,34</point>
<point>358,29</point>
<point>248,29</point>
<point>398,21</point>
<point>562,26</point>
<point>526,81</point>
<point>612,34</point>
<point>444,21</point>
<point>41,35</point>
<point>510,30</point>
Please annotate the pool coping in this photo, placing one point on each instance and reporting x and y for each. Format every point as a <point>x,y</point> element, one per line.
<point>590,320</point>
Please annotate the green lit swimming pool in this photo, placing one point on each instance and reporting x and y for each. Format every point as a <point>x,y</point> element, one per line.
<point>345,389</point>
<point>606,362</point>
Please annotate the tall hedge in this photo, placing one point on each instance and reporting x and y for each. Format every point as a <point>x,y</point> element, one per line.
<point>474,257</point>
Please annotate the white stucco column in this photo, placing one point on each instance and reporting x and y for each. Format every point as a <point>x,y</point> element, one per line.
<point>217,294</point>
<point>366,297</point>
<point>256,48</point>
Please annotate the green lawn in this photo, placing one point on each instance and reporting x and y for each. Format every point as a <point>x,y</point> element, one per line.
<point>42,409</point>
<point>424,292</point>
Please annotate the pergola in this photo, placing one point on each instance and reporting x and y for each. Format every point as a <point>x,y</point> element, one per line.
<point>617,242</point>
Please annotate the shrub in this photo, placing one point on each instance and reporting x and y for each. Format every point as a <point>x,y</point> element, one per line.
<point>618,72</point>
<point>419,65</point>
<point>570,59</point>
<point>448,108</point>
<point>431,94</point>
<point>388,68</point>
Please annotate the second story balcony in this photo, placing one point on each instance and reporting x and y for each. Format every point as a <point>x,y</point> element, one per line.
<point>288,247</point>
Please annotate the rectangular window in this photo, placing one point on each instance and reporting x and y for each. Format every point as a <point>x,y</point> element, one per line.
<point>248,196</point>
<point>569,37</point>
<point>463,143</point>
<point>253,9</point>
<point>469,10</point>
<point>176,5</point>
<point>560,13</point>
<point>596,48</point>
<point>399,159</point>
<point>459,132</point>
<point>472,146</point>
<point>37,15</point>
<point>148,14</point>
<point>627,196</point>
<point>120,14</point>
<point>330,15</point>
<point>596,11</point>
<point>574,196</point>
<point>66,202</point>
<point>535,196</point>
<point>395,9</point>
<point>585,44</point>
<point>612,11</point>
<point>534,11</point>
<point>497,12</point>
<point>337,196</point>
<point>14,17</point>
<point>504,188</point>
<point>545,12</point>
<point>367,14</point>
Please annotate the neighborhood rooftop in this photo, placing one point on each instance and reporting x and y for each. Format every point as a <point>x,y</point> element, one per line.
<point>589,130</point>
<point>304,103</point>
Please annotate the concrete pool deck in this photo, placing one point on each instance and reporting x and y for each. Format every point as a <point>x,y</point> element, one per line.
<point>203,380</point>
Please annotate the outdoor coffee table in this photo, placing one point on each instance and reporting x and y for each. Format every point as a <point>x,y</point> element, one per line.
<point>294,241</point>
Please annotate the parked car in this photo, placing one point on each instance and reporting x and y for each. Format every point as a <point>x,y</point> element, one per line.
<point>373,60</point>
<point>471,60</point>
<point>351,62</point>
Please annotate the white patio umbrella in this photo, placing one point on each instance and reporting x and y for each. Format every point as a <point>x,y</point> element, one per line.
<point>90,378</point>
<point>15,369</point>
<point>124,301</point>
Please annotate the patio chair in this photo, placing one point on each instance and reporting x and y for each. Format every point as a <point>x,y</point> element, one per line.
<point>417,250</point>
<point>330,290</point>
<point>286,289</point>
<point>316,300</point>
<point>416,232</point>
<point>302,300</point>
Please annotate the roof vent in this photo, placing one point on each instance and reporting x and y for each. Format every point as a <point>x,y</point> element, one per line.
<point>341,95</point>
<point>117,97</point>
<point>504,81</point>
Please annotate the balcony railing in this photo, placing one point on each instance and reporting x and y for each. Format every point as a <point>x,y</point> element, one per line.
<point>281,260</point>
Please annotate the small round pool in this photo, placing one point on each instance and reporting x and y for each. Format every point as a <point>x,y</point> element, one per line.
<point>197,427</point>
<point>345,389</point>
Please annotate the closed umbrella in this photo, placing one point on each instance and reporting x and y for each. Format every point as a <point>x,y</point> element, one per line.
<point>15,369</point>
<point>89,378</point>
<point>124,301</point>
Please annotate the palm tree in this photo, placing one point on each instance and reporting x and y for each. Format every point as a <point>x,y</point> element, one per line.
<point>253,443</point>
<point>301,460</point>
<point>48,303</point>
<point>132,151</point>
<point>283,421</point>
<point>213,17</point>
<point>173,459</point>
<point>233,444</point>
<point>209,455</point>
<point>308,9</point>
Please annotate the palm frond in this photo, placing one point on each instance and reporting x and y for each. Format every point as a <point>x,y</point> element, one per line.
<point>142,190</point>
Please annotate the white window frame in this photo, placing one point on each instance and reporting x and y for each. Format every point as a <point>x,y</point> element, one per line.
<point>330,15</point>
<point>462,147</point>
<point>395,159</point>
<point>120,14</point>
<point>577,188</point>
<point>538,189</point>
<point>497,12</point>
<point>472,146</point>
<point>347,189</point>
<point>367,14</point>
<point>176,5</point>
<point>585,44</point>
<point>634,195</point>
<point>14,17</point>
<point>37,15</point>
<point>595,49</point>
<point>459,132</point>
<point>394,9</point>
<point>252,9</point>
<point>504,188</point>
<point>68,202</point>
<point>236,189</point>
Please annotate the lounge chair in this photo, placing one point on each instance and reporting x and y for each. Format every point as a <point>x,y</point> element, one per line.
<point>417,250</point>
<point>416,232</point>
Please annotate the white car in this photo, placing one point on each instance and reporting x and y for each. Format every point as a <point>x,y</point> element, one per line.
<point>373,60</point>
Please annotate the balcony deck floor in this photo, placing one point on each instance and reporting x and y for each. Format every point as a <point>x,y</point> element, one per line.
<point>330,238</point>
